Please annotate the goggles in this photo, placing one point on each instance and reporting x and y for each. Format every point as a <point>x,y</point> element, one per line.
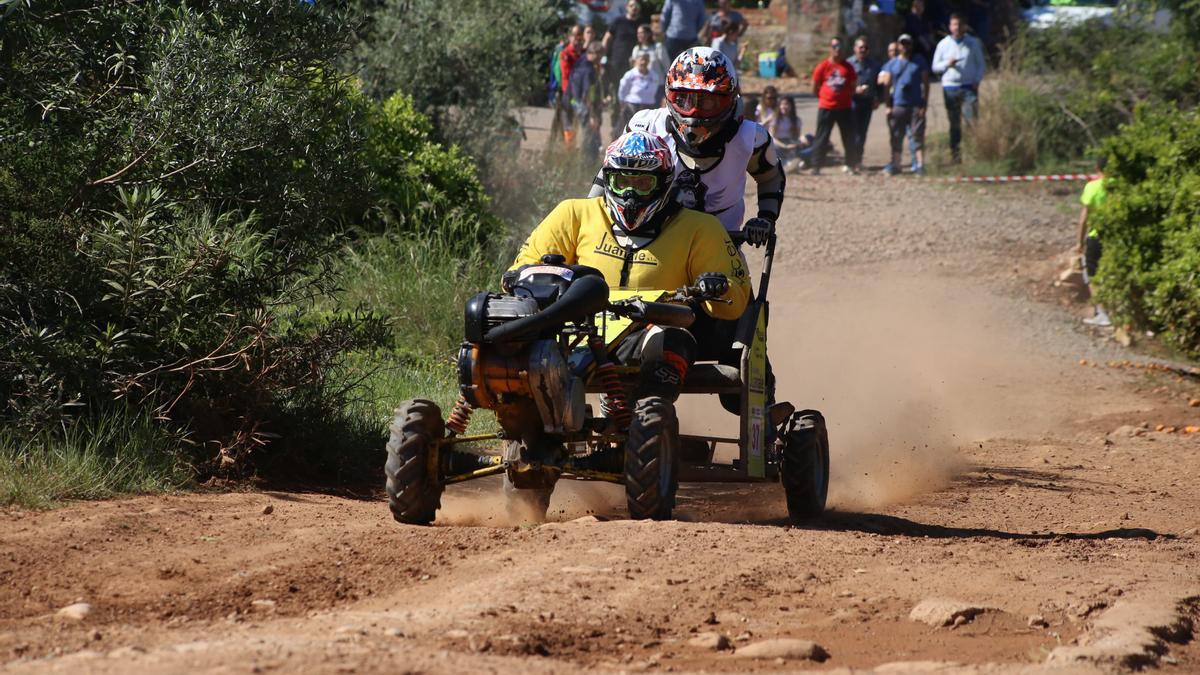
<point>698,103</point>
<point>642,183</point>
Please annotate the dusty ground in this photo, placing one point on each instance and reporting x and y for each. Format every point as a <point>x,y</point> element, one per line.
<point>974,458</point>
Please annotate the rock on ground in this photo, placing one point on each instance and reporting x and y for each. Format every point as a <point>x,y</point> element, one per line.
<point>784,648</point>
<point>710,640</point>
<point>75,612</point>
<point>939,612</point>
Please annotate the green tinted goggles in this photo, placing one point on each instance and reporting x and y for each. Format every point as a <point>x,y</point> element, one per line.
<point>640,182</point>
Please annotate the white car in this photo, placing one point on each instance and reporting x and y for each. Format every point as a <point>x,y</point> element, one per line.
<point>1039,14</point>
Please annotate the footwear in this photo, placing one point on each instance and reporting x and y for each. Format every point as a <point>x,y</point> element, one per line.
<point>846,170</point>
<point>1100,320</point>
<point>780,412</point>
<point>889,170</point>
<point>914,166</point>
<point>919,170</point>
<point>816,171</point>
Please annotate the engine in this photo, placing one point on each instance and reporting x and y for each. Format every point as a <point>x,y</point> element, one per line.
<point>496,372</point>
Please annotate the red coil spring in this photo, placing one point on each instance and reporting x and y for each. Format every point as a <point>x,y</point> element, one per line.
<point>614,404</point>
<point>460,417</point>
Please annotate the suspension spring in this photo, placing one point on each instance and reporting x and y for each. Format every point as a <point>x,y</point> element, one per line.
<point>460,417</point>
<point>614,404</point>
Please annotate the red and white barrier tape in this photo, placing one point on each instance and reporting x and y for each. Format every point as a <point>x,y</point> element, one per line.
<point>1058,177</point>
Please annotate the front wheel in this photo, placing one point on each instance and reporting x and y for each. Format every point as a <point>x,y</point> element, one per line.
<point>651,460</point>
<point>414,493</point>
<point>804,467</point>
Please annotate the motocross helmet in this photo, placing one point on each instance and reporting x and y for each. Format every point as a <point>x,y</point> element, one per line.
<point>702,94</point>
<point>638,171</point>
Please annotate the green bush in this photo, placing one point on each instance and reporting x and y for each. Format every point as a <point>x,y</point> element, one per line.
<point>422,187</point>
<point>1061,91</point>
<point>176,180</point>
<point>1150,225</point>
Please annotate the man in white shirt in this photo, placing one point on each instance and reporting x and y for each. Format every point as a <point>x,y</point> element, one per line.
<point>960,62</point>
<point>640,89</point>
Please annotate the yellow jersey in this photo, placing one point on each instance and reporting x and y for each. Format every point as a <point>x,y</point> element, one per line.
<point>689,244</point>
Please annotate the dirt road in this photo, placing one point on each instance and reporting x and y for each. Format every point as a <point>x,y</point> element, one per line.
<point>974,459</point>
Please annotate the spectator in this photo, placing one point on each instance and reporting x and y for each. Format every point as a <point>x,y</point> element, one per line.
<point>657,53</point>
<point>893,50</point>
<point>768,107</point>
<point>721,19</point>
<point>833,83</point>
<point>640,89</point>
<point>682,21</point>
<point>591,12</point>
<point>727,44</point>
<point>866,95</point>
<point>917,25</point>
<point>567,58</point>
<point>619,42</point>
<point>959,60</point>
<point>905,80</point>
<point>1094,194</point>
<point>587,99</point>
<point>786,130</point>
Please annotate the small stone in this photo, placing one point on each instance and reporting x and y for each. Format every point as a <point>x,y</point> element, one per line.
<point>585,519</point>
<point>784,648</point>
<point>960,620</point>
<point>1127,430</point>
<point>1037,621</point>
<point>75,612</point>
<point>709,640</point>
<point>268,510</point>
<point>1194,403</point>
<point>264,605</point>
<point>939,612</point>
<point>1190,532</point>
<point>457,634</point>
<point>95,636</point>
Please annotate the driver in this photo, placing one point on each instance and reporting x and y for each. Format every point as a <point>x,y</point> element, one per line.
<point>715,146</point>
<point>638,238</point>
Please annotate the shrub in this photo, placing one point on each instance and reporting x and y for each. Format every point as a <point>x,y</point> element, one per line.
<point>467,65</point>
<point>1150,225</point>
<point>422,187</point>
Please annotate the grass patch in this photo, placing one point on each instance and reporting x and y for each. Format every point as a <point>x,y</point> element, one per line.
<point>116,454</point>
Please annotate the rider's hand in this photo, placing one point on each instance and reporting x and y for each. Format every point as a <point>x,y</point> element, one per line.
<point>758,231</point>
<point>713,284</point>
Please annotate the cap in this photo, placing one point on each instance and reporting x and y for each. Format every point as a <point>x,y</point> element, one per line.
<point>905,38</point>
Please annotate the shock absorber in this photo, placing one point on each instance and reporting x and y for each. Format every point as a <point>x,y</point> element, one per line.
<point>614,404</point>
<point>460,417</point>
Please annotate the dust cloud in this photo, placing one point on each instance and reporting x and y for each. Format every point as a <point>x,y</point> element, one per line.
<point>906,369</point>
<point>483,503</point>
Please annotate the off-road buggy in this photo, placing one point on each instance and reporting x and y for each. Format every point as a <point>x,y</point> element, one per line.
<point>532,353</point>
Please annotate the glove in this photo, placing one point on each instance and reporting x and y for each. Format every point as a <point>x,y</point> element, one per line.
<point>758,231</point>
<point>713,284</point>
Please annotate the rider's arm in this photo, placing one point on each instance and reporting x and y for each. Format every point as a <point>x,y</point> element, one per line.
<point>766,169</point>
<point>712,251</point>
<point>557,233</point>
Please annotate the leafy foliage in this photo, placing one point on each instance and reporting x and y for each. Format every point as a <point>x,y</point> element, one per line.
<point>1061,90</point>
<point>424,188</point>
<point>1150,225</point>
<point>466,64</point>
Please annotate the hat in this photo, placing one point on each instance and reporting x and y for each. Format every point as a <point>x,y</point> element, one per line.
<point>905,38</point>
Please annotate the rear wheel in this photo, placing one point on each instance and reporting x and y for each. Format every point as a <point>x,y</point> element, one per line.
<point>651,460</point>
<point>414,493</point>
<point>804,467</point>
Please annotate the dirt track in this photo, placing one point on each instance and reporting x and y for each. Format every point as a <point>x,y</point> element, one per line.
<point>972,455</point>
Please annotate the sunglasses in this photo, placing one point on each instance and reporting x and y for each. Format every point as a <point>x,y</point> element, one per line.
<point>698,103</point>
<point>640,182</point>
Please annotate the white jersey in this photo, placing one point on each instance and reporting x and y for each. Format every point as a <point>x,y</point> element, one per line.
<point>722,184</point>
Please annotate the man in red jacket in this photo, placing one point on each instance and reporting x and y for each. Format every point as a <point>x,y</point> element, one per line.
<point>833,83</point>
<point>566,61</point>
